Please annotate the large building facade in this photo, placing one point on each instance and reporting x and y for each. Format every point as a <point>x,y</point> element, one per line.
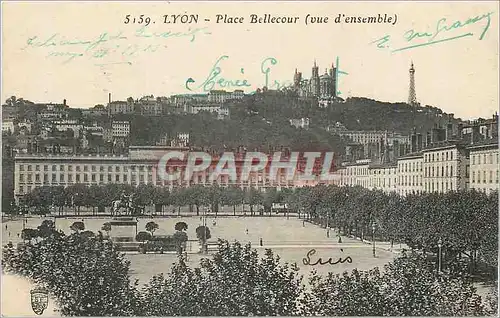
<point>483,163</point>
<point>140,166</point>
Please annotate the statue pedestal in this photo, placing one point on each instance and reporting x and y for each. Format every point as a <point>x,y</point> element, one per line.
<point>123,229</point>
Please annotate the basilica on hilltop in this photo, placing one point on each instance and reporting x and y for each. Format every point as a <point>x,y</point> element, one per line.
<point>323,86</point>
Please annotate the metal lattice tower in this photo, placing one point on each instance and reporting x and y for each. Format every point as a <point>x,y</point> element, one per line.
<point>412,95</point>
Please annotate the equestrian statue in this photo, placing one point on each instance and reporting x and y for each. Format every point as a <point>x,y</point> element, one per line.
<point>129,203</point>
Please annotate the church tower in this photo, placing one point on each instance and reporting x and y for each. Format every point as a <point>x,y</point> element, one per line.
<point>333,75</point>
<point>315,87</point>
<point>297,79</point>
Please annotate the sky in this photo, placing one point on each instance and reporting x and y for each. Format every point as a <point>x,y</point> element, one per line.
<point>81,52</point>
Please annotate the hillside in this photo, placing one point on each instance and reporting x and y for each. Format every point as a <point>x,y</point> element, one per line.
<point>262,121</point>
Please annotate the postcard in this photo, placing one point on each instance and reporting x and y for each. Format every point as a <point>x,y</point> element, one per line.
<point>249,158</point>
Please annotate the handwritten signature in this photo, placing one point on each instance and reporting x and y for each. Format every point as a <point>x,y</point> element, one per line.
<point>442,28</point>
<point>108,48</point>
<point>307,260</point>
<point>215,80</point>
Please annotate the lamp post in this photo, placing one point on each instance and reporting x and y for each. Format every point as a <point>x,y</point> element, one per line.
<point>440,245</point>
<point>373,237</point>
<point>327,223</point>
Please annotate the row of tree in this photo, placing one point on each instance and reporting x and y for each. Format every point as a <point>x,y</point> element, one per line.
<point>464,223</point>
<point>99,196</point>
<point>88,276</point>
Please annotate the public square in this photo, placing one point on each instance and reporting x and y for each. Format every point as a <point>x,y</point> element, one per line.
<point>290,238</point>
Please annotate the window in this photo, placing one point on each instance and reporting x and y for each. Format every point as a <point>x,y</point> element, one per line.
<point>54,167</point>
<point>93,168</point>
<point>442,171</point>
<point>37,168</point>
<point>70,178</point>
<point>117,178</point>
<point>101,168</point>
<point>77,178</point>
<point>21,177</point>
<point>451,155</point>
<point>61,178</point>
<point>21,167</point>
<point>491,176</point>
<point>101,177</point>
<point>29,167</point>
<point>473,159</point>
<point>78,168</point>
<point>61,168</point>
<point>125,178</point>
<point>109,178</point>
<point>117,168</point>
<point>54,177</point>
<point>85,178</point>
<point>110,169</point>
<point>45,168</point>
<point>70,168</point>
<point>93,177</point>
<point>447,159</point>
<point>21,189</point>
<point>484,176</point>
<point>85,168</point>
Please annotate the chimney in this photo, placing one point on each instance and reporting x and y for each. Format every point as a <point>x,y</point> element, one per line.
<point>460,127</point>
<point>494,129</point>
<point>435,135</point>
<point>419,142</point>
<point>449,131</point>
<point>428,140</point>
<point>475,133</point>
<point>64,102</point>
<point>109,98</point>
<point>413,143</point>
<point>395,147</point>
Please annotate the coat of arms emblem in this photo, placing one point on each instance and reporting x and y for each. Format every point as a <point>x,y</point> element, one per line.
<point>39,300</point>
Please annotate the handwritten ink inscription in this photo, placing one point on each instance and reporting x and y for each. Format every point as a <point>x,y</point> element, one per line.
<point>216,80</point>
<point>108,48</point>
<point>443,31</point>
<point>307,260</point>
